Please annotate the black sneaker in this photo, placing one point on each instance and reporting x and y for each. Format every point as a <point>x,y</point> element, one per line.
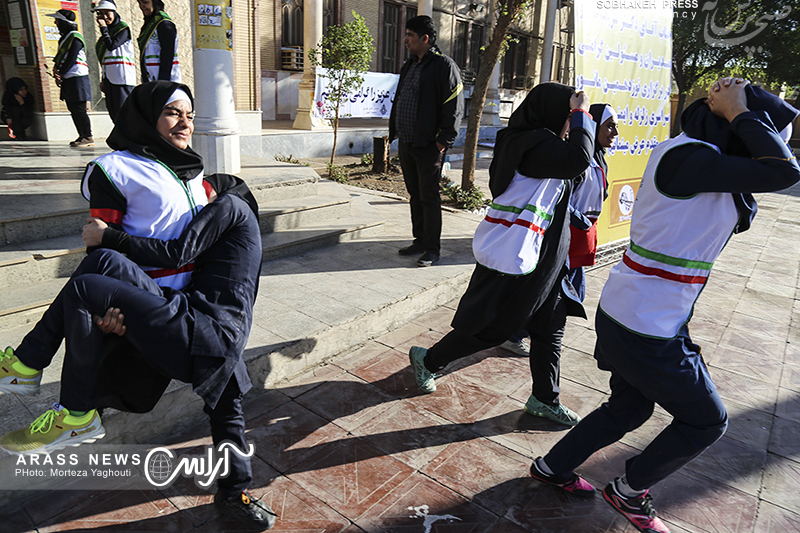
<point>244,508</point>
<point>75,142</point>
<point>574,485</point>
<point>638,510</point>
<point>427,259</point>
<point>83,141</point>
<point>412,249</point>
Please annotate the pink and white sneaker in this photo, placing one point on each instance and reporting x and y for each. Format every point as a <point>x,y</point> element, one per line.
<point>638,510</point>
<point>574,484</point>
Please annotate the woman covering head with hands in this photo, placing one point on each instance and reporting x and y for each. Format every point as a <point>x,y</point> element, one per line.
<point>695,193</point>
<point>521,245</point>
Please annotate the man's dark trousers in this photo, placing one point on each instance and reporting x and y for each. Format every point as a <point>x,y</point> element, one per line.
<point>422,170</point>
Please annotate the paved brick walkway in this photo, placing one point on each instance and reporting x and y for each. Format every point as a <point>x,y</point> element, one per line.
<point>350,446</point>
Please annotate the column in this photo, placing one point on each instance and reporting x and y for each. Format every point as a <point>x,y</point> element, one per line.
<point>216,131</point>
<point>547,44</point>
<point>491,109</point>
<point>312,34</point>
<point>425,7</point>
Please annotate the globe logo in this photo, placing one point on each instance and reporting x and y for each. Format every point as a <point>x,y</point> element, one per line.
<point>159,467</point>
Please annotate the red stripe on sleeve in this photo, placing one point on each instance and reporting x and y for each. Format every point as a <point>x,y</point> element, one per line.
<point>109,216</point>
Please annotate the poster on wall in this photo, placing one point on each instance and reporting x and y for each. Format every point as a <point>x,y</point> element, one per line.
<point>623,57</point>
<point>213,24</point>
<point>47,25</point>
<point>19,32</point>
<point>373,99</point>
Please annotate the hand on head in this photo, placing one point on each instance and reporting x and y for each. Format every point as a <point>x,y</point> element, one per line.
<point>727,99</point>
<point>579,100</point>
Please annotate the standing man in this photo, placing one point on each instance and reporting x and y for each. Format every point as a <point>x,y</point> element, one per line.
<point>425,118</point>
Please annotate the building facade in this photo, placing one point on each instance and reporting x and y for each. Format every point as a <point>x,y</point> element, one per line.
<point>268,50</point>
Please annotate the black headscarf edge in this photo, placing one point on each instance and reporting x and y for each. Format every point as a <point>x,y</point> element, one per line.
<point>135,129</point>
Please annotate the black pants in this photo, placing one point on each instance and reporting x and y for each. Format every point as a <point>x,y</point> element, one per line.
<point>422,171</point>
<point>80,117</point>
<point>20,119</point>
<point>158,325</point>
<point>115,97</point>
<point>645,372</point>
<point>546,335</point>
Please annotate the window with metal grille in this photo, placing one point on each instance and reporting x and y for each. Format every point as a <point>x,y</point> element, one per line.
<point>393,29</point>
<point>292,19</point>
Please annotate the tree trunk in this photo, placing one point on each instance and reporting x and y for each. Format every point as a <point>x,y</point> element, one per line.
<point>380,153</point>
<point>335,134</point>
<point>676,124</point>
<point>508,12</point>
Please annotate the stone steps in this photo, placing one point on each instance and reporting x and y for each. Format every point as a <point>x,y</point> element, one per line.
<point>32,273</point>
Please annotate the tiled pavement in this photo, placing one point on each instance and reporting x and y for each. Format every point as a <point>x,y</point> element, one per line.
<point>350,446</point>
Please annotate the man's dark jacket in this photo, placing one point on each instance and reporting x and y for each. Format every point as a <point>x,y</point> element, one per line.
<point>440,100</point>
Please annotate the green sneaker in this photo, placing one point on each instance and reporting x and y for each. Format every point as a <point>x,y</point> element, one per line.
<point>559,413</point>
<point>17,378</point>
<point>53,430</point>
<point>423,377</point>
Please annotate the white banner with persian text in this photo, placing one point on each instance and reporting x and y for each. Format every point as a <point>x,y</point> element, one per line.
<point>372,100</point>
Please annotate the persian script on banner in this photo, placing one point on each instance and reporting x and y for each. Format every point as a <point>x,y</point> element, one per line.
<point>623,57</point>
<point>372,100</point>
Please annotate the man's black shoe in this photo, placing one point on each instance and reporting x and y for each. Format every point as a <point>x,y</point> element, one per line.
<point>412,249</point>
<point>427,259</point>
<point>244,508</point>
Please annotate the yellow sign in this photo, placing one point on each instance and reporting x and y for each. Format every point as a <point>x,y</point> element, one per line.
<point>47,25</point>
<point>624,58</point>
<point>213,28</point>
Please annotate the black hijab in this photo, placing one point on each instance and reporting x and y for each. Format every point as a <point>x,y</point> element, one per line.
<point>700,123</point>
<point>540,117</point>
<point>13,85</point>
<point>228,184</point>
<point>596,110</point>
<point>135,129</point>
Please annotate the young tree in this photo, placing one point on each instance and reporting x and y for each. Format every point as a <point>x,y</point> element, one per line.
<point>506,12</point>
<point>345,53</point>
<point>758,40</point>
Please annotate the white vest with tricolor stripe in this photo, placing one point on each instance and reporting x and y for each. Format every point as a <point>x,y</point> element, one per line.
<point>119,66</point>
<point>674,243</point>
<point>159,204</point>
<point>152,58</point>
<point>509,239</point>
<point>80,68</point>
<point>587,198</point>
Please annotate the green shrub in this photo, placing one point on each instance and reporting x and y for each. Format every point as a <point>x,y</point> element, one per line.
<point>338,174</point>
<point>465,199</point>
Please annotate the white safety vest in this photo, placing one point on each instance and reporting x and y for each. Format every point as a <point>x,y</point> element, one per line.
<point>509,239</point>
<point>80,68</point>
<point>119,66</point>
<point>159,204</point>
<point>152,56</point>
<point>674,243</point>
<point>587,198</point>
